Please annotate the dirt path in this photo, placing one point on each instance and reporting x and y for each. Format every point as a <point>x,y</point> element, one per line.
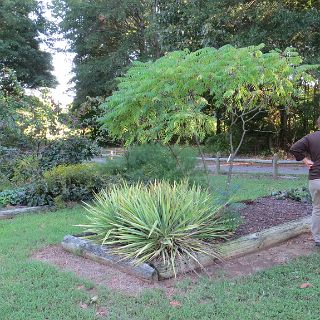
<point>115,279</point>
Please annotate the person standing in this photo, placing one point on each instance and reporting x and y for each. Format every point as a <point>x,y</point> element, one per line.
<point>307,149</point>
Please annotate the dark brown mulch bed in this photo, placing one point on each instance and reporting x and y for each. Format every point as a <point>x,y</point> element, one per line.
<point>267,212</point>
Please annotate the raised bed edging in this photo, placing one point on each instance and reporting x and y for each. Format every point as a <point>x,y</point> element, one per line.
<point>88,249</point>
<point>241,246</point>
<point>11,213</point>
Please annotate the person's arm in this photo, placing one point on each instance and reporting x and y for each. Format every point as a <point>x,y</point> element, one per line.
<point>300,150</point>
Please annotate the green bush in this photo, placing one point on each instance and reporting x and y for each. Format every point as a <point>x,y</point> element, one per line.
<point>8,158</point>
<point>154,162</point>
<point>13,197</point>
<point>160,221</point>
<point>33,194</point>
<point>71,150</point>
<point>75,182</point>
<point>217,143</point>
<point>26,169</point>
<point>297,194</point>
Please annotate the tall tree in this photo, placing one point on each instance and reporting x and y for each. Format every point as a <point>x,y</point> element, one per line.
<point>277,23</point>
<point>21,25</point>
<point>106,36</point>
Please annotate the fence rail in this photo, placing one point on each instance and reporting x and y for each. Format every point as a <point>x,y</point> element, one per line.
<point>274,162</point>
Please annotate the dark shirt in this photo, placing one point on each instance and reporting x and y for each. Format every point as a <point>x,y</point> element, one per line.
<point>309,146</point>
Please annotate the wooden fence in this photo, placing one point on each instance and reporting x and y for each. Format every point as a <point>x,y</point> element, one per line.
<point>274,162</point>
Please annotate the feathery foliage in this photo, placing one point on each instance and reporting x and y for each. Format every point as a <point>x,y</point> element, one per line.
<point>176,96</point>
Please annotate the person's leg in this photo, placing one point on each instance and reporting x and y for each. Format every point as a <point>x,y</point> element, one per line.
<point>314,187</point>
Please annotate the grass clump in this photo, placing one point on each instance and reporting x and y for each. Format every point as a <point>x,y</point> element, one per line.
<point>162,221</point>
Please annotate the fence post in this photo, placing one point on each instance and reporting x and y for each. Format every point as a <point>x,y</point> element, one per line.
<point>275,165</point>
<point>218,155</point>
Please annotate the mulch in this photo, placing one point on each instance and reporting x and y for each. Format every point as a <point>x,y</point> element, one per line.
<point>267,212</point>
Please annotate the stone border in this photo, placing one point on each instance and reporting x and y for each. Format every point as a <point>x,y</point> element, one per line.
<point>158,271</point>
<point>11,213</point>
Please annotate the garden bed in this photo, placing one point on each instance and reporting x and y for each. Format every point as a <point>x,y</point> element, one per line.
<point>267,222</point>
<point>268,212</point>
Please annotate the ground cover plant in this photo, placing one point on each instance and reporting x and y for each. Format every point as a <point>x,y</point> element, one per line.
<point>161,222</point>
<point>298,194</point>
<point>35,290</point>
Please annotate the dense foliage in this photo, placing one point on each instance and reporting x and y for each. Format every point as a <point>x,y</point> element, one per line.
<point>176,96</point>
<point>25,120</point>
<point>67,150</point>
<point>149,162</point>
<point>75,182</point>
<point>111,35</point>
<point>21,24</point>
<point>105,36</point>
<point>159,222</point>
<point>277,23</point>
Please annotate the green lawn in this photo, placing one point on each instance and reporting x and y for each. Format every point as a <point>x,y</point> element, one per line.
<point>245,187</point>
<point>34,290</point>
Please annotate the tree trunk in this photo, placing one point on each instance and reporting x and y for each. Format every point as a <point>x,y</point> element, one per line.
<point>283,128</point>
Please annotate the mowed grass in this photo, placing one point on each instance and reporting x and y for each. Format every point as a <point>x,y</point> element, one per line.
<point>245,187</point>
<point>34,290</point>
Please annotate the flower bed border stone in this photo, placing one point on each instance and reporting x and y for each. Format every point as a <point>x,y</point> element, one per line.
<point>11,213</point>
<point>158,271</point>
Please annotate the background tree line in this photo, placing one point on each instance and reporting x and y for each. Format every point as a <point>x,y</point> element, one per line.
<point>108,35</point>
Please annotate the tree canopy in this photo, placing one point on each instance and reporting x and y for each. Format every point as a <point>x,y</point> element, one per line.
<point>167,98</point>
<point>21,25</point>
<point>106,37</point>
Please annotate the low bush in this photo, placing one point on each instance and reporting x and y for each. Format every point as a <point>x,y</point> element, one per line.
<point>8,157</point>
<point>76,182</point>
<point>217,143</point>
<point>154,162</point>
<point>297,194</point>
<point>13,197</point>
<point>26,169</point>
<point>70,150</point>
<point>160,221</point>
<point>33,194</point>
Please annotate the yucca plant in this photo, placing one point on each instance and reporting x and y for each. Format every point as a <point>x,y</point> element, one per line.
<point>160,221</point>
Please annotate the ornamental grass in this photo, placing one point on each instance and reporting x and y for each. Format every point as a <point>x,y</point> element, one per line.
<point>162,221</point>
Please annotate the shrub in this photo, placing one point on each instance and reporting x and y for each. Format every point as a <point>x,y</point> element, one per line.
<point>160,221</point>
<point>71,150</point>
<point>154,161</point>
<point>26,170</point>
<point>297,194</point>
<point>217,143</point>
<point>75,182</point>
<point>8,157</point>
<point>33,194</point>
<point>13,197</point>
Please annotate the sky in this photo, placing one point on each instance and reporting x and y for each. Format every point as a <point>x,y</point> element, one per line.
<point>62,63</point>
